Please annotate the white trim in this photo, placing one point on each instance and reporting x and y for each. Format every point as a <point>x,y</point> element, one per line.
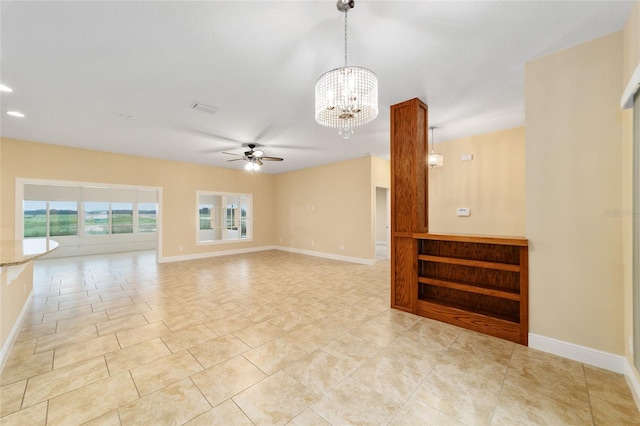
<point>84,183</point>
<point>328,255</point>
<point>159,225</point>
<point>196,256</point>
<point>213,254</point>
<point>630,90</point>
<point>595,357</point>
<point>18,230</point>
<point>8,344</point>
<point>632,381</point>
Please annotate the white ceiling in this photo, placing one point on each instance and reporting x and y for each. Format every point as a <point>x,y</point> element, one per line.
<point>122,76</point>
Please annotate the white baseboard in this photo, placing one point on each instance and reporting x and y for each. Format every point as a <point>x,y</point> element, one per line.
<point>8,344</point>
<point>597,358</point>
<point>632,380</point>
<point>166,259</point>
<point>594,357</point>
<point>328,255</point>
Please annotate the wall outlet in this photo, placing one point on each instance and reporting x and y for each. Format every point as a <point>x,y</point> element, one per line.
<point>311,242</point>
<point>342,248</point>
<point>180,248</point>
<point>466,157</point>
<point>462,211</point>
<point>280,239</point>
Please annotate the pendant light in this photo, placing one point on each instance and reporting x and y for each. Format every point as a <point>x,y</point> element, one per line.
<point>346,97</point>
<point>434,160</point>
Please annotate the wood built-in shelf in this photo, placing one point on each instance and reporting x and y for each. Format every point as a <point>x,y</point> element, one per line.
<point>467,262</point>
<point>476,282</point>
<point>487,290</point>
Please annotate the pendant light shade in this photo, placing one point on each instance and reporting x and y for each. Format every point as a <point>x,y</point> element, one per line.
<point>434,160</point>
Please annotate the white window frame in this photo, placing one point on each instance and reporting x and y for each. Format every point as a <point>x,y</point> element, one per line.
<point>81,241</point>
<point>636,231</point>
<point>200,241</point>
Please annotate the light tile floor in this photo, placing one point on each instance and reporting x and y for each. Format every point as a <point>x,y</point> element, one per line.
<point>272,338</point>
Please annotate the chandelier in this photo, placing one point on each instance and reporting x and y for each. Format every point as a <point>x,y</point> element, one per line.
<point>434,160</point>
<point>346,97</point>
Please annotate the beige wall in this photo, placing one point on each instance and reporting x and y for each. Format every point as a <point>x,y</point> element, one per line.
<point>573,177</point>
<point>631,45</point>
<point>380,178</point>
<point>380,172</point>
<point>16,283</point>
<point>327,207</point>
<point>381,213</point>
<point>1,189</point>
<point>631,37</point>
<point>178,180</point>
<point>492,185</point>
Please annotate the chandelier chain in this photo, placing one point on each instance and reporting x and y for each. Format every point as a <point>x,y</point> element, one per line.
<point>346,9</point>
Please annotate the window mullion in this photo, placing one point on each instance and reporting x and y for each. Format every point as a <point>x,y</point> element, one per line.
<point>48,227</point>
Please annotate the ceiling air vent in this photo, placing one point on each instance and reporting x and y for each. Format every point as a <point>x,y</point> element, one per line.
<point>204,108</point>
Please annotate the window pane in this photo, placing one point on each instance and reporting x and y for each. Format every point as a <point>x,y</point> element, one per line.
<point>243,220</point>
<point>96,218</point>
<point>63,218</point>
<point>35,219</point>
<point>231,216</point>
<point>205,216</point>
<point>122,218</point>
<point>147,217</point>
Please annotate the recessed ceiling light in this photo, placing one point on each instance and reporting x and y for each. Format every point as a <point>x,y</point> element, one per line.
<point>15,114</point>
<point>4,88</point>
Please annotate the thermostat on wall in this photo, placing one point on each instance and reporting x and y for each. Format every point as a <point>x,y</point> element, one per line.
<point>462,211</point>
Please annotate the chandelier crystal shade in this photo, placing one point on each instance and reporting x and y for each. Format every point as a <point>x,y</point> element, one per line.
<point>346,97</point>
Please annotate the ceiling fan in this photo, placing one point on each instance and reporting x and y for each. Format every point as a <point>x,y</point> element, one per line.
<point>253,157</point>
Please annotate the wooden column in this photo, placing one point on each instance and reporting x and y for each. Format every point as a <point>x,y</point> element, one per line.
<point>409,197</point>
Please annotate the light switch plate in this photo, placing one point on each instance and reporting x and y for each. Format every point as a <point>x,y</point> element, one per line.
<point>462,211</point>
<point>466,157</point>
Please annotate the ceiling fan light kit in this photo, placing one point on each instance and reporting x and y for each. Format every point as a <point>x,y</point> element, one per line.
<point>346,97</point>
<point>252,166</point>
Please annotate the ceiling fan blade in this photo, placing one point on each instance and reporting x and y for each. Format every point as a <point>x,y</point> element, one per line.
<point>236,159</point>
<point>271,158</point>
<point>231,153</point>
<point>259,162</point>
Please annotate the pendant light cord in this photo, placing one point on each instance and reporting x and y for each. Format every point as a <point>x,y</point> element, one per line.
<point>432,141</point>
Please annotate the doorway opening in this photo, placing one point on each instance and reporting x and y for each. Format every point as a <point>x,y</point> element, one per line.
<point>382,223</point>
